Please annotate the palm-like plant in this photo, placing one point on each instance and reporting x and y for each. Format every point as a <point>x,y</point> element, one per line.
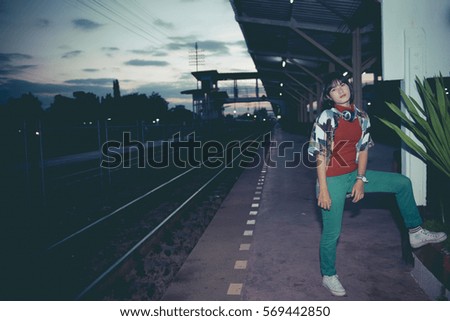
<point>430,123</point>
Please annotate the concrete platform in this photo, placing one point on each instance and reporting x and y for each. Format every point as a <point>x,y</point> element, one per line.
<point>263,243</point>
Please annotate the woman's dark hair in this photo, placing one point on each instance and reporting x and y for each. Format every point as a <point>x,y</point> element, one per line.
<point>330,80</point>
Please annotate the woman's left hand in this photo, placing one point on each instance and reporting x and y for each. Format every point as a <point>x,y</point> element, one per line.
<point>358,191</point>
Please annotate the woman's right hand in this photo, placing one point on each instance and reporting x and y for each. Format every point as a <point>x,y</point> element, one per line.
<point>324,200</point>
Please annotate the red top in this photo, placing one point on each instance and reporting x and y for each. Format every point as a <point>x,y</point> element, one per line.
<point>347,135</point>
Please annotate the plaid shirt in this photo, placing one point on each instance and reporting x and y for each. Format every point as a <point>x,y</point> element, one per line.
<point>324,129</point>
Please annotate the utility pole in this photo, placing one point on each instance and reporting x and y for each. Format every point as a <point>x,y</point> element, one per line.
<point>196,57</point>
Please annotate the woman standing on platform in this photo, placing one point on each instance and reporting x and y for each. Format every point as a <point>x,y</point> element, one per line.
<point>340,140</point>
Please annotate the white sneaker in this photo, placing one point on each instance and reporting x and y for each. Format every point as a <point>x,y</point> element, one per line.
<point>423,237</point>
<point>333,284</point>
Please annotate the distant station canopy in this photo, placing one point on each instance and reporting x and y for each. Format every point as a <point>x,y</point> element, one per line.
<point>209,99</point>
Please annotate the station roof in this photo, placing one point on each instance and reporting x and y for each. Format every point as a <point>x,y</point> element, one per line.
<point>310,36</point>
<point>214,75</point>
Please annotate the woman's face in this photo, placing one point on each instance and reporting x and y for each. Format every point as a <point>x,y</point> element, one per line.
<point>340,94</point>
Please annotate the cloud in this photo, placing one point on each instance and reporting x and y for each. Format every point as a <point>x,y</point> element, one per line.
<point>211,46</point>
<point>163,24</point>
<point>187,76</point>
<point>141,52</point>
<point>72,54</point>
<point>139,62</point>
<point>85,24</point>
<point>91,81</point>
<point>9,57</point>
<point>160,54</point>
<point>152,53</point>
<point>8,64</point>
<point>91,69</point>
<point>110,49</point>
<point>8,69</point>
<point>23,86</point>
<point>186,40</point>
<point>179,46</point>
<point>42,23</point>
<point>240,43</point>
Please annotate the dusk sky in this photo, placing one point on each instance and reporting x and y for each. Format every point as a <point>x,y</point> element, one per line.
<point>51,47</point>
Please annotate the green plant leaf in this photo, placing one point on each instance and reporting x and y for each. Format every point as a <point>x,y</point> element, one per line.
<point>437,127</point>
<point>422,135</point>
<point>429,122</point>
<point>416,148</point>
<point>443,108</point>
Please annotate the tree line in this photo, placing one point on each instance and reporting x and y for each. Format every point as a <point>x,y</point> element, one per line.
<point>86,107</point>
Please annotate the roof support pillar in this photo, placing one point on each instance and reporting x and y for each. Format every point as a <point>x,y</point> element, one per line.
<point>306,113</point>
<point>256,88</point>
<point>311,110</point>
<point>356,61</point>
<point>301,112</point>
<point>319,97</point>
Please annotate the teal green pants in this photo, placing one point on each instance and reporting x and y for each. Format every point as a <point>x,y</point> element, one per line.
<point>339,186</point>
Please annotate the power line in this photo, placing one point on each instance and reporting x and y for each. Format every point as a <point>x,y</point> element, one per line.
<point>117,16</point>
<point>99,12</point>
<point>140,13</point>
<point>122,10</point>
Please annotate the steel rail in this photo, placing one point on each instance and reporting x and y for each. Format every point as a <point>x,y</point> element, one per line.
<point>65,239</point>
<point>151,233</point>
<point>118,210</point>
<point>96,168</point>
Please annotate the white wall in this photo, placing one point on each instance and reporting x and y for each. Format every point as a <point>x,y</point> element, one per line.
<point>415,43</point>
<point>433,17</point>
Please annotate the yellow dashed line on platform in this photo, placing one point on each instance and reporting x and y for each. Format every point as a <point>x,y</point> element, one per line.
<point>235,289</point>
<point>240,265</point>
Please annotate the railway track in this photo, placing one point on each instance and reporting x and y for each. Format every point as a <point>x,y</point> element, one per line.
<point>95,260</point>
